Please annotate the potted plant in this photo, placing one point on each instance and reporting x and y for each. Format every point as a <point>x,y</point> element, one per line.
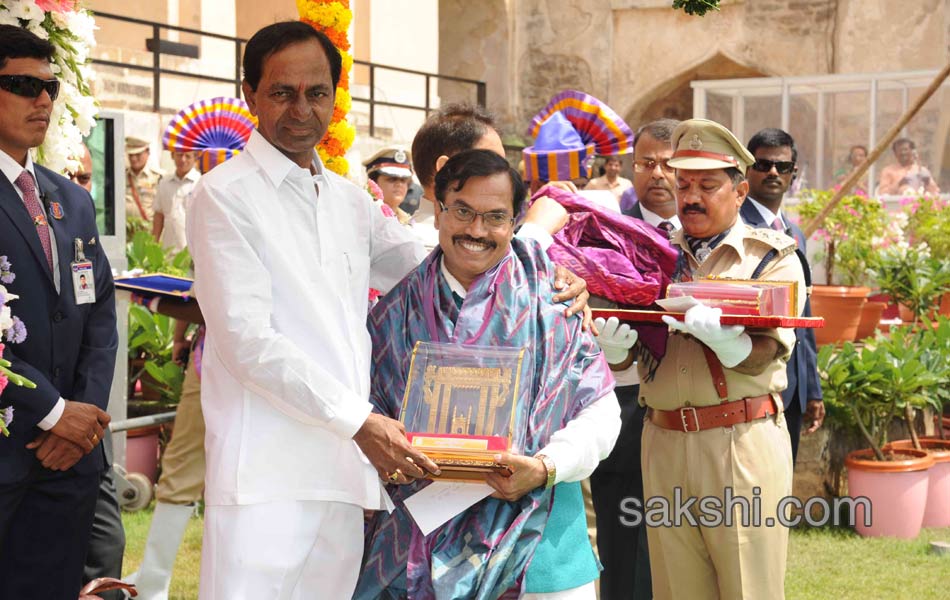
<point>934,341</point>
<point>928,220</point>
<point>911,277</point>
<point>151,339</point>
<point>151,335</point>
<point>847,236</point>
<point>866,389</point>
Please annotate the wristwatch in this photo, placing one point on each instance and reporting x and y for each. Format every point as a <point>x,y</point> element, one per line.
<point>551,469</point>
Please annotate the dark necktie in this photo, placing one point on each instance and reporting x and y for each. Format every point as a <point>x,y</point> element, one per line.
<point>667,227</point>
<point>33,206</point>
<point>703,247</point>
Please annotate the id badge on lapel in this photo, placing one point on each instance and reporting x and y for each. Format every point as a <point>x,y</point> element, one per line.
<point>84,280</point>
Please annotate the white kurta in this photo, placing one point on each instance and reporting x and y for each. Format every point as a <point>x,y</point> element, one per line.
<point>170,202</point>
<point>284,274</point>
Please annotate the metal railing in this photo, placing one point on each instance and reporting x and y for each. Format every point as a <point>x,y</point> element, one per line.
<point>157,71</point>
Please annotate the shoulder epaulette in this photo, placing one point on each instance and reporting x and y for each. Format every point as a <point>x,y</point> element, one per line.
<point>773,239</point>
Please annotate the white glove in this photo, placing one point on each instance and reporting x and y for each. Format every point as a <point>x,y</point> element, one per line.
<point>730,343</point>
<point>615,339</point>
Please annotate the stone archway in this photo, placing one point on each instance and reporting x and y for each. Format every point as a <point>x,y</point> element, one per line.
<point>673,98</point>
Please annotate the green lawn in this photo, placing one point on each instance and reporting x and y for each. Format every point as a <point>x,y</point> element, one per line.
<point>184,584</point>
<point>823,564</point>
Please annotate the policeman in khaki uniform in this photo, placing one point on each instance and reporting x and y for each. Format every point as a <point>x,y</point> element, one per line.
<point>391,169</point>
<point>141,181</point>
<point>714,405</point>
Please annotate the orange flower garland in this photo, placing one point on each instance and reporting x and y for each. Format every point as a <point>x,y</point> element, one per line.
<point>333,17</point>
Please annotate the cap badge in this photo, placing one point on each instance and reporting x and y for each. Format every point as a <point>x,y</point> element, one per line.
<point>588,163</point>
<point>399,156</point>
<point>695,143</point>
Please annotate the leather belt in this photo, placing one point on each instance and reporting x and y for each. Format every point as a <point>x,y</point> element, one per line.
<point>691,419</point>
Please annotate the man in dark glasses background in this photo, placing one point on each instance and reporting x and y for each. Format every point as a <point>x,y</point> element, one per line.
<point>50,466</point>
<point>769,178</point>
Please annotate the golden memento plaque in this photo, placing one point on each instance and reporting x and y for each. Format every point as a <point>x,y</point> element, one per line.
<point>459,406</point>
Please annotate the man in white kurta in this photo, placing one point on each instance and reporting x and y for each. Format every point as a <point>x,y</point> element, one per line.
<point>286,358</point>
<point>285,252</point>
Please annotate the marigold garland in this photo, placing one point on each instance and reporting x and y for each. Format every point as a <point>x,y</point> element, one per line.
<point>333,17</point>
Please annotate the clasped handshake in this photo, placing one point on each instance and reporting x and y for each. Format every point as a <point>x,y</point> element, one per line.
<point>79,429</point>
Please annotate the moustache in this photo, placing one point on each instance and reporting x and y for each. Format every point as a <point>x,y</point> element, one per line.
<point>468,238</point>
<point>694,208</point>
<point>772,180</point>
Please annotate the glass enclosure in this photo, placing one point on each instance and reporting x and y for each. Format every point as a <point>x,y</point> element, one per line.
<point>828,115</point>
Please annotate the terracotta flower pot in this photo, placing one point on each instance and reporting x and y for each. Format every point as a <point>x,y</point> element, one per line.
<point>142,450</point>
<point>897,490</point>
<point>841,307</point>
<point>890,310</point>
<point>870,318</point>
<point>944,305</point>
<point>937,513</point>
<point>907,316</point>
<point>943,308</point>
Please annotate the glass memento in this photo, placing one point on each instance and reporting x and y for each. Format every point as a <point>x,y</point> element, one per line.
<point>460,406</point>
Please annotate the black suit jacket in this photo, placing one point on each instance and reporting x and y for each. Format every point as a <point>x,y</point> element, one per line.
<point>70,349</point>
<point>803,383</point>
<point>635,211</point>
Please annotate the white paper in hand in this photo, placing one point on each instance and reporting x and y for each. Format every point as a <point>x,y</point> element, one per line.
<point>439,501</point>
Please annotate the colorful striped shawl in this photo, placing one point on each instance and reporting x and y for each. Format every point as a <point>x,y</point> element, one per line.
<point>482,553</point>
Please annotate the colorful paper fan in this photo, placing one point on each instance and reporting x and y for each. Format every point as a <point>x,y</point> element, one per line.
<point>216,123</point>
<point>596,122</point>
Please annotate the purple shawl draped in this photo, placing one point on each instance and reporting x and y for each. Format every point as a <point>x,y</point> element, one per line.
<point>482,553</point>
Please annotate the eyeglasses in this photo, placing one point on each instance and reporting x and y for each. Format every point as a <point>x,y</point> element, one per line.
<point>29,86</point>
<point>646,165</point>
<point>493,219</point>
<point>81,178</point>
<point>782,167</point>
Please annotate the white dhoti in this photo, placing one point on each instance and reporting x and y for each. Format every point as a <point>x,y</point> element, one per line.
<point>288,550</point>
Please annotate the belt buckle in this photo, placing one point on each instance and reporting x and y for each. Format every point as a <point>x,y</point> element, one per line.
<point>695,418</point>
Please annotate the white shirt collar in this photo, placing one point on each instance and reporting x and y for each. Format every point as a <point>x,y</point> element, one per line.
<point>12,169</point>
<point>276,165</point>
<point>654,219</point>
<point>454,284</point>
<point>767,214</point>
<point>191,176</point>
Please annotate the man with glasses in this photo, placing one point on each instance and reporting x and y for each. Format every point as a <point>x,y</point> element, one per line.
<point>484,287</point>
<point>770,176</point>
<point>52,463</point>
<point>653,177</point>
<point>619,479</point>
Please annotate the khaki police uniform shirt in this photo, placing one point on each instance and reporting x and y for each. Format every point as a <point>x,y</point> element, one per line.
<point>146,182</point>
<point>682,377</point>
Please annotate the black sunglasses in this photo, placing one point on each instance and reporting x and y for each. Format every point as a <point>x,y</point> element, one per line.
<point>783,167</point>
<point>29,86</point>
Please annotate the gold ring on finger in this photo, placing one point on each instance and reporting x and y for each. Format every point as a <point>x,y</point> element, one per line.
<point>394,476</point>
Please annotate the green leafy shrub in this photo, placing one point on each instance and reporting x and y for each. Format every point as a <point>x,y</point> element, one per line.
<point>865,388</point>
<point>848,234</point>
